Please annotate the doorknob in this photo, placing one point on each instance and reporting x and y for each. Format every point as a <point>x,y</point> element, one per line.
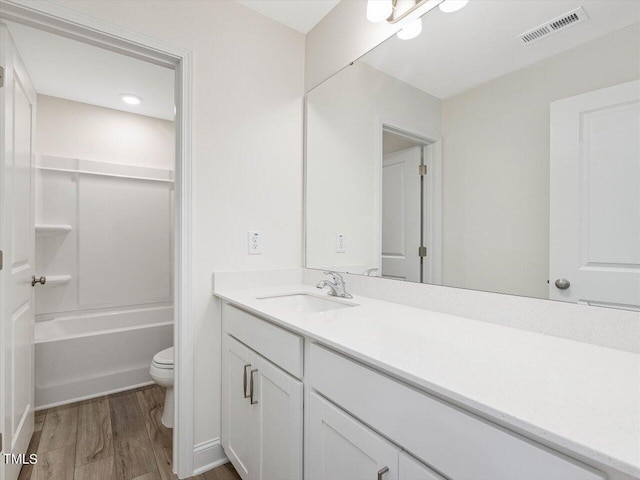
<point>563,283</point>
<point>41,280</point>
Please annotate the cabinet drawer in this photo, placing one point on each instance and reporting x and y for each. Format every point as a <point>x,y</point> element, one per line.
<point>278,345</point>
<point>456,443</point>
<point>411,469</point>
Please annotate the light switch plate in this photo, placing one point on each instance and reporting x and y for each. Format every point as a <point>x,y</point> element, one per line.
<point>255,242</point>
<point>340,243</point>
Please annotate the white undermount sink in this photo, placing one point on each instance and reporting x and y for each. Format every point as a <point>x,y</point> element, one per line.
<point>306,303</point>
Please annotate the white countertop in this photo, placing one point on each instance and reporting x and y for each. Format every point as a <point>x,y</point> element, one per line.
<point>579,397</point>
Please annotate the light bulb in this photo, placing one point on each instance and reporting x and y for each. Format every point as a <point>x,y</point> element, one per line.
<point>131,99</point>
<point>379,10</point>
<point>412,30</point>
<point>449,6</point>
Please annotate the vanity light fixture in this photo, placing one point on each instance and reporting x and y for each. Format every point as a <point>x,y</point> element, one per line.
<point>411,28</point>
<point>450,6</point>
<point>406,11</point>
<point>131,99</point>
<point>379,10</point>
<point>411,31</point>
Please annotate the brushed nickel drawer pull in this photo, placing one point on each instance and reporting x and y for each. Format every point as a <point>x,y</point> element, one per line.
<point>251,386</point>
<point>382,471</point>
<point>244,381</point>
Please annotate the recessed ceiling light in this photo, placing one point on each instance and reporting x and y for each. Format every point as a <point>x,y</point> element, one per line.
<point>449,6</point>
<point>131,99</point>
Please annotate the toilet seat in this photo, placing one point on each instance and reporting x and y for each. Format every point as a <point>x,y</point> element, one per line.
<point>163,360</point>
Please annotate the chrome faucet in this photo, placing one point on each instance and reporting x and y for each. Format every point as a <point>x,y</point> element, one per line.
<point>337,287</point>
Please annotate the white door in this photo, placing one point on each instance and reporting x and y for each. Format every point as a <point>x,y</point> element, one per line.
<point>277,428</point>
<point>595,198</point>
<point>17,239</point>
<point>401,214</point>
<point>411,469</point>
<point>344,449</point>
<point>237,429</point>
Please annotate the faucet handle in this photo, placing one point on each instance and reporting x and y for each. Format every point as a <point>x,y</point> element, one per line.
<point>337,278</point>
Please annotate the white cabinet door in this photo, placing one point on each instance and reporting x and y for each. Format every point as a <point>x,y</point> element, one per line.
<point>344,449</point>
<point>261,415</point>
<point>277,424</point>
<point>237,428</point>
<point>411,469</point>
<point>595,197</point>
<point>17,240</point>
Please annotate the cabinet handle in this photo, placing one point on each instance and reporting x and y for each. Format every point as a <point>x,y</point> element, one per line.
<point>244,381</point>
<point>251,386</point>
<point>382,471</point>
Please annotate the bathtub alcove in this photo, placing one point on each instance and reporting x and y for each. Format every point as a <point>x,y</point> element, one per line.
<point>103,242</point>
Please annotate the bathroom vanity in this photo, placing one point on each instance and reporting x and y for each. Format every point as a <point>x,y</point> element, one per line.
<point>479,169</point>
<point>317,387</point>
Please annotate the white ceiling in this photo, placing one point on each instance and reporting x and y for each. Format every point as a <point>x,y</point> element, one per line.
<point>73,70</point>
<point>301,15</point>
<point>457,51</point>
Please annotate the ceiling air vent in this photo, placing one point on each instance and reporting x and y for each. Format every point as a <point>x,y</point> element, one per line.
<point>574,17</point>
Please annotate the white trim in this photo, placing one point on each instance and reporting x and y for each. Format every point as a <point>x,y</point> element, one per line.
<point>94,395</point>
<point>183,437</point>
<point>207,456</point>
<point>433,198</point>
<point>72,24</point>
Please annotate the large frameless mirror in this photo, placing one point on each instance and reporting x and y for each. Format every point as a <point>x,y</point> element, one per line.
<point>498,150</point>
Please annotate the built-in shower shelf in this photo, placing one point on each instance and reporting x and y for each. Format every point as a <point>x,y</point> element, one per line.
<point>53,280</point>
<point>44,230</point>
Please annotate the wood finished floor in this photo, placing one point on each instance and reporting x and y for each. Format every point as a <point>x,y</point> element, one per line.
<point>117,437</point>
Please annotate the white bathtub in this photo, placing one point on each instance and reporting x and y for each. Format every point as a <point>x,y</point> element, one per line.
<point>85,356</point>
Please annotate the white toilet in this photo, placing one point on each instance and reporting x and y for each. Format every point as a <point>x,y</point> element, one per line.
<point>162,373</point>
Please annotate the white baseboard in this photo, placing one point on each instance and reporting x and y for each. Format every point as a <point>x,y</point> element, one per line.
<point>93,395</point>
<point>207,456</point>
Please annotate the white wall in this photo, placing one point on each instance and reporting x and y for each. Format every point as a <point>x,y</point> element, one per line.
<point>496,159</point>
<point>344,139</point>
<point>78,130</point>
<point>248,89</point>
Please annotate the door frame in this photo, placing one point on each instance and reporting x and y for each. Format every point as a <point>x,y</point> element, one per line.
<point>432,198</point>
<point>84,28</point>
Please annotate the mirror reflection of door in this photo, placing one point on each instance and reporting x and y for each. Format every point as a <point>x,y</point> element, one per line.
<point>403,208</point>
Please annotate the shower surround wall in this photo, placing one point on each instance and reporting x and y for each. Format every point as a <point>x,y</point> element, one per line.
<point>104,183</point>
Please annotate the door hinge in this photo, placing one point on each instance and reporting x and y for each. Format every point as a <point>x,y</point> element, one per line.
<point>1,264</point>
<point>422,251</point>
<point>1,76</point>
<point>422,170</point>
<point>0,442</point>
